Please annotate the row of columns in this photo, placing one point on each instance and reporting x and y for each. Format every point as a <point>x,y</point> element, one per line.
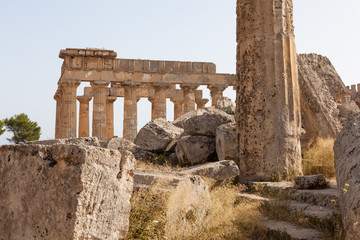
<point>103,113</point>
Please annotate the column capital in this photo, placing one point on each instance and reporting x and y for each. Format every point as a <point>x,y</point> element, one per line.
<point>69,83</point>
<point>201,101</point>
<point>161,85</point>
<point>111,99</point>
<point>83,99</point>
<point>99,84</point>
<point>190,86</point>
<point>218,87</point>
<point>173,100</point>
<point>130,84</point>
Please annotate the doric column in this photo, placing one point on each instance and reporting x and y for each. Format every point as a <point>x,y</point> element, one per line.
<point>110,117</point>
<point>216,92</point>
<point>178,108</point>
<point>189,96</point>
<point>201,102</point>
<point>268,119</point>
<point>84,115</point>
<point>130,110</point>
<point>159,102</point>
<point>68,108</point>
<point>99,109</point>
<point>58,99</point>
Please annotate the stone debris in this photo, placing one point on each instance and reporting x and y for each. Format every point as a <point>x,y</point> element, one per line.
<point>226,104</point>
<point>226,146</point>
<point>157,135</point>
<point>195,149</point>
<point>203,122</point>
<point>220,170</point>
<point>310,182</point>
<point>347,166</point>
<point>65,191</point>
<point>87,141</point>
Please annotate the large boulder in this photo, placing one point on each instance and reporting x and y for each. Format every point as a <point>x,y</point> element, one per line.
<point>347,166</point>
<point>226,104</point>
<point>139,153</point>
<point>321,90</point>
<point>203,122</point>
<point>157,135</point>
<point>64,191</point>
<point>195,149</point>
<point>226,147</point>
<point>187,200</point>
<point>219,171</point>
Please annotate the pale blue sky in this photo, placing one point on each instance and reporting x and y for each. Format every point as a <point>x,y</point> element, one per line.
<point>33,32</point>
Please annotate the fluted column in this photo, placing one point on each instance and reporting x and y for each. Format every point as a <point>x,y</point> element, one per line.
<point>130,110</point>
<point>268,119</point>
<point>68,108</point>
<point>84,116</point>
<point>201,102</point>
<point>189,96</point>
<point>110,117</point>
<point>58,99</point>
<point>99,109</point>
<point>159,102</point>
<point>178,108</point>
<point>216,93</point>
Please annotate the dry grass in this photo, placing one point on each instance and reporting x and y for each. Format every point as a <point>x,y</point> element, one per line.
<point>319,158</point>
<point>229,218</point>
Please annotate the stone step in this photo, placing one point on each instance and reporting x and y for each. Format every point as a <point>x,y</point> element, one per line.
<point>310,210</point>
<point>322,197</point>
<point>294,232</point>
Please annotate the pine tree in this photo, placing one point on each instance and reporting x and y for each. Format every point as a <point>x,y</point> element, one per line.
<point>22,128</point>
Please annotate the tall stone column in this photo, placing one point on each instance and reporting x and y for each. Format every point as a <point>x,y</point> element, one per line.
<point>68,108</point>
<point>110,117</point>
<point>216,92</point>
<point>178,108</point>
<point>268,104</point>
<point>130,110</point>
<point>201,102</point>
<point>189,96</point>
<point>99,109</point>
<point>159,102</point>
<point>84,116</point>
<point>58,99</point>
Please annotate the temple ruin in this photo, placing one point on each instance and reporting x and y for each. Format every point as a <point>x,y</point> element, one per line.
<point>111,78</point>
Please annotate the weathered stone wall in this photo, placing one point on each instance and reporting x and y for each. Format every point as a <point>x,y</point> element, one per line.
<point>324,108</point>
<point>347,165</point>
<point>268,103</point>
<point>64,191</point>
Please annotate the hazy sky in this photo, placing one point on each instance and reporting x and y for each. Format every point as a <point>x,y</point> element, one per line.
<point>33,32</point>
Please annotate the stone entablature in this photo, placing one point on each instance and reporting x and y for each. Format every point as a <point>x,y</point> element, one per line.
<point>132,79</point>
<point>354,93</point>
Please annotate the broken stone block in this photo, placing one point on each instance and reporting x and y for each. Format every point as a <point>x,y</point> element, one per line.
<point>64,191</point>
<point>187,199</point>
<point>157,135</point>
<point>347,166</point>
<point>226,104</point>
<point>195,149</point>
<point>226,147</point>
<point>88,141</point>
<point>216,170</point>
<point>203,122</point>
<point>310,182</point>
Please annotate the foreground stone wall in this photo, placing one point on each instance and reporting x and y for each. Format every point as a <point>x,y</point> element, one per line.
<point>64,191</point>
<point>268,103</point>
<point>347,165</point>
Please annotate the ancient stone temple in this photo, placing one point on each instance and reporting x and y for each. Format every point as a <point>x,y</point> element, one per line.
<point>111,78</point>
<point>268,104</point>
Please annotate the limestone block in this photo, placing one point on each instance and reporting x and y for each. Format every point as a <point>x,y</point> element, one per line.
<point>310,182</point>
<point>157,135</point>
<point>64,191</point>
<point>140,154</point>
<point>185,196</point>
<point>226,147</point>
<point>225,104</point>
<point>347,166</point>
<point>321,86</point>
<point>87,141</point>
<point>195,149</point>
<point>203,121</point>
<point>220,170</point>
